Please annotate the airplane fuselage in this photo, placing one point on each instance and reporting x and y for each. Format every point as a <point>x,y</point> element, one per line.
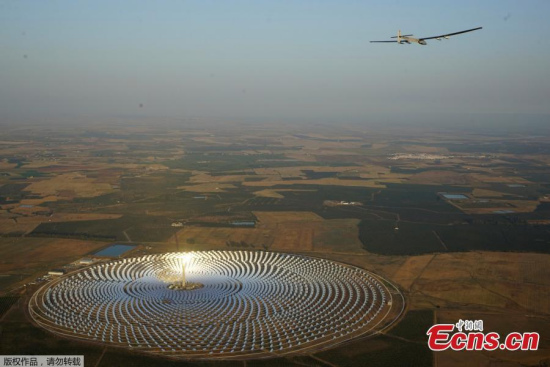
<point>405,39</point>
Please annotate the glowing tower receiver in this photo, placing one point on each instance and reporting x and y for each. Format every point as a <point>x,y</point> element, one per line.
<point>183,282</point>
<point>179,281</point>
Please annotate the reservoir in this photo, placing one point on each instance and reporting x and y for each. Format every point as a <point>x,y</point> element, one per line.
<point>114,250</point>
<point>455,196</point>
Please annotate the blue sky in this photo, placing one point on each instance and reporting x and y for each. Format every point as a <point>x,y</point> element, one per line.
<point>271,60</point>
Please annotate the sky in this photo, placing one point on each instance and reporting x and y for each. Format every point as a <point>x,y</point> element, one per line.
<point>272,60</point>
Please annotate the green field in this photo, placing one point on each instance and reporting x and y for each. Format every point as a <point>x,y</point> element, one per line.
<point>414,326</point>
<point>420,238</point>
<point>219,162</point>
<point>138,227</point>
<point>6,303</point>
<point>379,351</point>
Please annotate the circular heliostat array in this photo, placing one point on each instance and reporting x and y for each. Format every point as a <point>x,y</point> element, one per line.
<point>238,304</point>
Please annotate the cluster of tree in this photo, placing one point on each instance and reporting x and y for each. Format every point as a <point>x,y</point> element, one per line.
<point>242,244</point>
<point>77,235</point>
<point>497,220</point>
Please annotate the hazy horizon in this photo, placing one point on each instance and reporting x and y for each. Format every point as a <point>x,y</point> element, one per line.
<point>260,61</point>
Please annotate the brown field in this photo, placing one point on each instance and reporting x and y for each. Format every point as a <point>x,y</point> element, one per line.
<point>282,171</point>
<point>207,187</point>
<point>337,235</point>
<point>199,177</point>
<point>293,236</point>
<point>495,178</point>
<point>59,167</point>
<point>518,206</point>
<point>301,156</point>
<point>368,170</point>
<point>322,181</point>
<point>69,217</point>
<point>269,194</point>
<point>22,253</point>
<point>379,146</point>
<point>306,231</point>
<point>270,218</point>
<point>214,218</point>
<point>39,201</point>
<point>411,269</point>
<point>35,210</point>
<point>441,178</point>
<point>316,145</point>
<point>487,193</point>
<point>110,176</point>
<point>23,225</point>
<point>76,183</point>
<point>204,238</point>
<point>5,165</point>
<point>425,149</point>
<point>485,279</point>
<point>282,231</point>
<point>28,258</point>
<point>451,177</point>
<point>378,172</point>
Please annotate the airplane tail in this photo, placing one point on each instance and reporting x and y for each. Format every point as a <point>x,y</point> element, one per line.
<point>399,36</point>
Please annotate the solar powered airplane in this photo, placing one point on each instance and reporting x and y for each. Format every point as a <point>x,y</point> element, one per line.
<point>407,38</point>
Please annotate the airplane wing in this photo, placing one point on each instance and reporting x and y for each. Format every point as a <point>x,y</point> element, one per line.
<point>383,41</point>
<point>450,34</point>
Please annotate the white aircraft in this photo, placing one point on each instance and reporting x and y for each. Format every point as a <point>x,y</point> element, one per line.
<point>406,38</point>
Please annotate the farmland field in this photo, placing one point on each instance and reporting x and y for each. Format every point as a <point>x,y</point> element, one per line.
<point>459,225</point>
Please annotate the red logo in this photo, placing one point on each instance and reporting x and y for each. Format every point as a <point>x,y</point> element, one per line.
<point>441,337</point>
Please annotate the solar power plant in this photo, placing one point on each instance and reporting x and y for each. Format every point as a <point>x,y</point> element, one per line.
<point>216,304</point>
